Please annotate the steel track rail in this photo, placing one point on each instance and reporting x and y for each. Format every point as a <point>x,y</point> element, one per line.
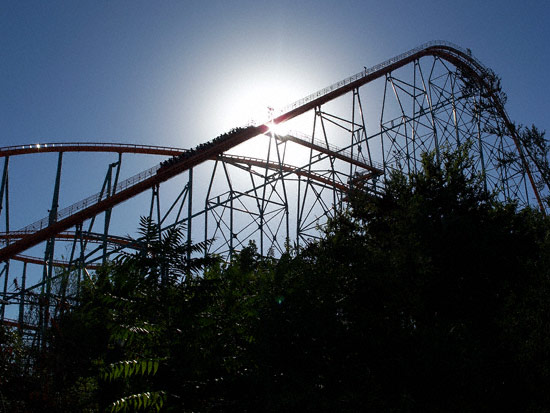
<point>89,147</point>
<point>56,263</point>
<point>444,50</point>
<point>319,146</point>
<point>70,236</point>
<point>93,199</point>
<point>261,163</point>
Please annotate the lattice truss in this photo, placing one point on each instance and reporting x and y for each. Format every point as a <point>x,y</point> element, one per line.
<point>263,184</point>
<point>432,110</point>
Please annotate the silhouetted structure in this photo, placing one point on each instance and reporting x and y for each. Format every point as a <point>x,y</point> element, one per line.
<point>382,118</point>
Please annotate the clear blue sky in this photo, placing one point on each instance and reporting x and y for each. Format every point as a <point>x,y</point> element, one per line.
<point>180,72</point>
<point>168,72</point>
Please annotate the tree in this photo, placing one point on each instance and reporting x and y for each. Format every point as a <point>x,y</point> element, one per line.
<point>430,297</point>
<point>122,336</point>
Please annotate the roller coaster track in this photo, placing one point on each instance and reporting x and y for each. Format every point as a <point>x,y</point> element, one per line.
<point>71,235</point>
<point>319,146</point>
<point>96,198</point>
<point>278,166</point>
<point>186,160</point>
<point>56,262</point>
<point>88,147</point>
<point>65,236</point>
<point>24,234</point>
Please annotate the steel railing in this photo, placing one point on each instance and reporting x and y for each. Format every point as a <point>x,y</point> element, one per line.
<point>91,200</point>
<point>332,148</point>
<point>381,66</point>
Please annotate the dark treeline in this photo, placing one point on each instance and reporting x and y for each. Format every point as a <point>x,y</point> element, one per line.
<point>433,297</point>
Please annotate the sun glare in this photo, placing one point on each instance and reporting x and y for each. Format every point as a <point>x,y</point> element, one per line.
<point>257,105</point>
<point>281,129</point>
<point>260,101</point>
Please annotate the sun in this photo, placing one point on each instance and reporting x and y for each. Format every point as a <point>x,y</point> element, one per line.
<point>259,101</point>
<point>256,104</point>
<point>280,129</point>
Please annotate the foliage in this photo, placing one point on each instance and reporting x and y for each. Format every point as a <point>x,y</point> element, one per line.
<point>485,87</point>
<point>537,151</point>
<point>139,401</point>
<point>131,306</point>
<point>11,354</point>
<point>430,297</point>
<point>129,368</point>
<point>441,276</point>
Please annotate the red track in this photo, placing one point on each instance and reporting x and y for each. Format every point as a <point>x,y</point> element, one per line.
<point>89,147</point>
<point>14,323</point>
<point>56,263</point>
<point>215,148</point>
<point>287,168</point>
<point>64,236</point>
<point>70,235</point>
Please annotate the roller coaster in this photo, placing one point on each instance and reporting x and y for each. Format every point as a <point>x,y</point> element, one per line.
<point>435,97</point>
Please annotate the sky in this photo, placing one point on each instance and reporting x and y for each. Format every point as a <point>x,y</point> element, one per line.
<point>180,72</point>
<point>177,73</point>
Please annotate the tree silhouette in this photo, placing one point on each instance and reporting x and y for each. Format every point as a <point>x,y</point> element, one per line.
<point>432,296</point>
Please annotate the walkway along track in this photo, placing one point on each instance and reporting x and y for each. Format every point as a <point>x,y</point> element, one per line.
<point>124,241</point>
<point>446,51</point>
<point>93,199</point>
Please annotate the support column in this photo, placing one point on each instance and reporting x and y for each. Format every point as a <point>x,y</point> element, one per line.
<point>49,254</point>
<point>22,299</point>
<point>189,213</point>
<point>111,190</point>
<point>4,193</point>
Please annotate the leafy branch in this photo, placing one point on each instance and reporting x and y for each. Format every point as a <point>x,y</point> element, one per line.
<point>145,400</point>
<point>129,368</point>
